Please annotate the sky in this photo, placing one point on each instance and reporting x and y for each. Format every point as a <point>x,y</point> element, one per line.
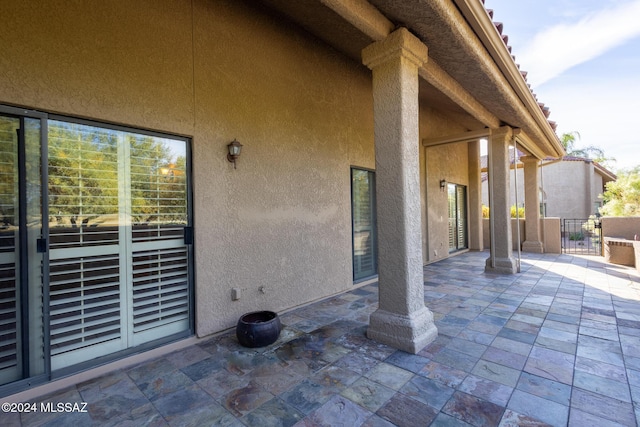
<point>583,62</point>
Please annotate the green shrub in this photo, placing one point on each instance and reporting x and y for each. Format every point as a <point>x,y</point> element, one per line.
<point>576,236</point>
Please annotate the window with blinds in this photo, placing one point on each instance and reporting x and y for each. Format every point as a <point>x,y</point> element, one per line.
<point>363,224</point>
<point>119,266</point>
<point>9,326</point>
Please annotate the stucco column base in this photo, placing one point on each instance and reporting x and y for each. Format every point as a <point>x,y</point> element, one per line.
<point>407,333</point>
<point>502,266</point>
<point>533,247</point>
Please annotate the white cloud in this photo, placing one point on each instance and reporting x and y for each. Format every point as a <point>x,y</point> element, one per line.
<point>563,46</point>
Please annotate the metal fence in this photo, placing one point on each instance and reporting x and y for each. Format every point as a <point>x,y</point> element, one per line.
<point>581,236</point>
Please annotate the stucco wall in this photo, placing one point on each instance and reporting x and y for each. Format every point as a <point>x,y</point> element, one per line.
<point>282,220</point>
<point>622,227</point>
<point>567,188</point>
<point>215,71</point>
<point>486,233</point>
<point>101,60</point>
<point>551,235</point>
<point>549,228</point>
<point>279,226</point>
<point>449,162</point>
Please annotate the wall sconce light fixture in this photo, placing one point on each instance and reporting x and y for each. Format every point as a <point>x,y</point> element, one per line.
<point>234,148</point>
<point>443,184</point>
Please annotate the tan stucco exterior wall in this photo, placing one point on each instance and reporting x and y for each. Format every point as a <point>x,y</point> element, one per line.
<point>621,227</point>
<point>282,220</point>
<point>101,60</point>
<point>449,162</point>
<point>279,226</point>
<point>569,189</point>
<point>435,164</point>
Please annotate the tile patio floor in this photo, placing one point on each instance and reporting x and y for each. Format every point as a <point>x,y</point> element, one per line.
<point>557,344</point>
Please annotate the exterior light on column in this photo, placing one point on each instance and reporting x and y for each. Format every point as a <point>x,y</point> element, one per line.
<point>234,148</point>
<point>443,184</point>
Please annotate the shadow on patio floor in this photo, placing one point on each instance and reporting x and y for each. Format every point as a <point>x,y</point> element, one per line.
<point>557,344</point>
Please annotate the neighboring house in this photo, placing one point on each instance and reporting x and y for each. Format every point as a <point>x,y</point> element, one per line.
<point>125,226</point>
<point>573,187</point>
<point>570,188</point>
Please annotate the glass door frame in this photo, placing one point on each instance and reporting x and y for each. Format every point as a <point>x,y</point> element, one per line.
<point>26,379</point>
<point>458,226</point>
<point>22,253</point>
<point>373,236</point>
<point>188,239</point>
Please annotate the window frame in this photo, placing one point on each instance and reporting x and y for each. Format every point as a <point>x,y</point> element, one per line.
<point>374,245</point>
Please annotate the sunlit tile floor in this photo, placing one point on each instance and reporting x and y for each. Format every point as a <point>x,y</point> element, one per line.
<point>557,344</point>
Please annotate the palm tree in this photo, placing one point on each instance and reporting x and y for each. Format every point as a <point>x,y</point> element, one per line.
<point>568,141</point>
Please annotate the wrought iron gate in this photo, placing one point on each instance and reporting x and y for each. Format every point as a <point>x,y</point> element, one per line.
<point>581,236</point>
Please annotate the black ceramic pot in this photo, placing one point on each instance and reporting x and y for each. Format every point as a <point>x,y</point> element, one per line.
<point>258,329</point>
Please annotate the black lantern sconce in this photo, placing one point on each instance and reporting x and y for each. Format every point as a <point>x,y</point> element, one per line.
<point>234,148</point>
<point>443,184</point>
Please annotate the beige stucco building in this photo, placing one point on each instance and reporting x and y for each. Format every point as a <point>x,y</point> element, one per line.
<point>577,197</point>
<point>360,123</point>
<point>570,187</point>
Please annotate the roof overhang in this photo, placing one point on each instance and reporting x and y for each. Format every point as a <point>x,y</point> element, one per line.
<point>606,174</point>
<point>470,72</point>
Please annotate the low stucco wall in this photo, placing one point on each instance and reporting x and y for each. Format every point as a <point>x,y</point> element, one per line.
<point>486,233</point>
<point>551,235</point>
<point>621,227</point>
<point>620,251</point>
<point>550,230</point>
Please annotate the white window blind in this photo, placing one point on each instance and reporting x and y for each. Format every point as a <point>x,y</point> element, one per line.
<point>364,226</point>
<point>119,265</point>
<point>9,328</point>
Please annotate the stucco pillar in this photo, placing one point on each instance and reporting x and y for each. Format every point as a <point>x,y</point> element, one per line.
<point>501,259</point>
<point>402,319</point>
<point>475,197</point>
<point>533,242</point>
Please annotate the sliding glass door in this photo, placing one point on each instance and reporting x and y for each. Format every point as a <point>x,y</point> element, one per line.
<point>457,217</point>
<point>22,343</point>
<point>119,262</point>
<point>110,268</point>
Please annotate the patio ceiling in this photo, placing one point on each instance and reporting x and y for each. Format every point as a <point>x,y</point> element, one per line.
<point>466,51</point>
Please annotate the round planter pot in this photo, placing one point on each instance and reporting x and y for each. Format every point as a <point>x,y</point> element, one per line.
<point>258,329</point>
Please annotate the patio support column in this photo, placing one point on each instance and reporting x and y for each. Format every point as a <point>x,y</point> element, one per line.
<point>402,319</point>
<point>475,197</point>
<point>532,242</point>
<point>501,259</point>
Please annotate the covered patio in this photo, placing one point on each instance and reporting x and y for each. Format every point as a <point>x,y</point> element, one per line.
<point>557,344</point>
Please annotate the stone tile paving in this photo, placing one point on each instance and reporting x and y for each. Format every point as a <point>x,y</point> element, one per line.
<point>557,344</point>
